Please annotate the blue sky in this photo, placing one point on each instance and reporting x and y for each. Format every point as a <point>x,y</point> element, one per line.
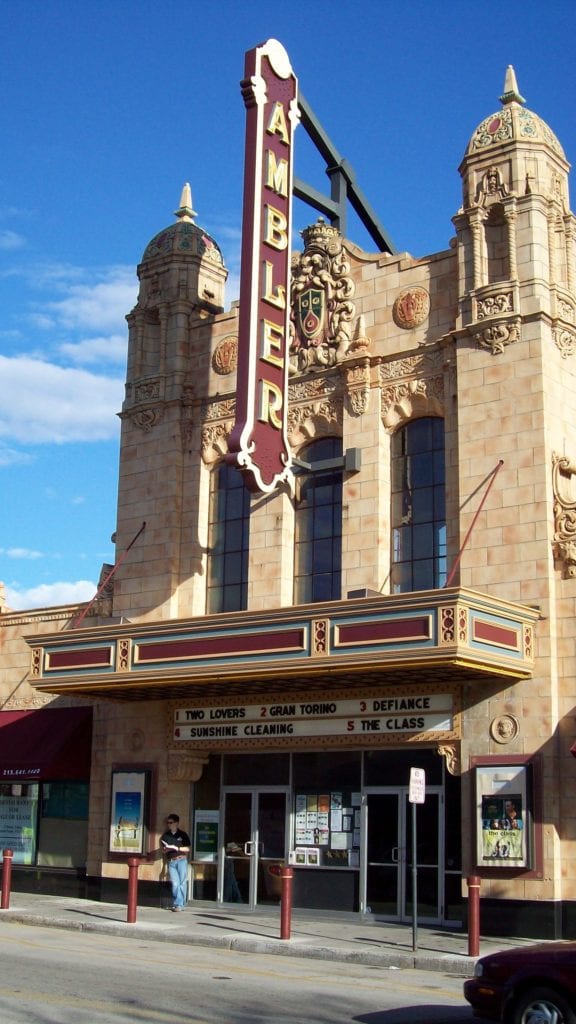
<point>108,106</point>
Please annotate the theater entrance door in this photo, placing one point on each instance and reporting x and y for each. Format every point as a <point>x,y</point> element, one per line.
<point>253,845</point>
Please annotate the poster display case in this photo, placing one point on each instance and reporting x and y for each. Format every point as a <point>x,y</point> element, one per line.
<point>326,829</point>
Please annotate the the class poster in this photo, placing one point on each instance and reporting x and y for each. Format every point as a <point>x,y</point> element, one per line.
<point>502,817</point>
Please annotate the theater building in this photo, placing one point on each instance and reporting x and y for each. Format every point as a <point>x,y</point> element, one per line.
<point>279,665</point>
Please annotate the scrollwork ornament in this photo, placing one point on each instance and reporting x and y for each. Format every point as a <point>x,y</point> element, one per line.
<point>146,419</point>
<point>564,508</point>
<point>498,336</point>
<point>565,341</point>
<point>451,754</point>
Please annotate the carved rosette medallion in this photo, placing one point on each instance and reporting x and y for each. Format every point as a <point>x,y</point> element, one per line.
<point>225,356</point>
<point>504,729</point>
<point>321,308</point>
<point>411,308</point>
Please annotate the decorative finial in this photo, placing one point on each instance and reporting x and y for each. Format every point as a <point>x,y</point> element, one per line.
<point>511,93</point>
<point>185,211</point>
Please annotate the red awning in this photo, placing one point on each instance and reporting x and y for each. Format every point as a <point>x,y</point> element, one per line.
<point>45,745</point>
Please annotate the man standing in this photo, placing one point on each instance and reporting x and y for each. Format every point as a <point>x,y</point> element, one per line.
<point>176,846</point>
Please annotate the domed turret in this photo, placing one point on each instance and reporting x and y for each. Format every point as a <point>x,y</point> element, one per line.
<point>183,262</point>
<point>514,123</point>
<point>515,247</point>
<point>184,236</point>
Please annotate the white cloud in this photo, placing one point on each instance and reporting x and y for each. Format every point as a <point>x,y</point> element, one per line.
<point>42,403</point>
<point>11,457</point>
<point>48,595</point>
<point>10,240</point>
<point>111,349</point>
<point>20,553</point>
<point>98,306</point>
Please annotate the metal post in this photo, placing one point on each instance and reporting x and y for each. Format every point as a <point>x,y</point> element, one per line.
<point>6,878</point>
<point>133,865</point>
<point>473,882</point>
<point>287,874</point>
<point>414,882</point>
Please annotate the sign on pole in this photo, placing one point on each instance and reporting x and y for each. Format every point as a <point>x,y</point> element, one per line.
<point>417,791</point>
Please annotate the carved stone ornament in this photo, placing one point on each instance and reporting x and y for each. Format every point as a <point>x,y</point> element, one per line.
<point>185,767</point>
<point>504,729</point>
<point>357,378</point>
<point>495,305</point>
<point>411,308</point>
<point>492,188</point>
<point>146,419</point>
<point>498,335</point>
<point>320,294</point>
<point>565,341</point>
<point>225,356</point>
<point>451,754</point>
<point>564,491</point>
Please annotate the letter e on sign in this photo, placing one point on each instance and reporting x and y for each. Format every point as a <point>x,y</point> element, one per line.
<point>417,790</point>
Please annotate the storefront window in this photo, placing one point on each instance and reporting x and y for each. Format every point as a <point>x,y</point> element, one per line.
<point>18,818</point>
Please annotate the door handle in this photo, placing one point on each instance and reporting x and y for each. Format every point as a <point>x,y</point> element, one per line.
<point>249,850</point>
<point>394,854</point>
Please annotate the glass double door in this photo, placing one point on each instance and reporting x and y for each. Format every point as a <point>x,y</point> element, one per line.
<point>253,845</point>
<point>387,856</point>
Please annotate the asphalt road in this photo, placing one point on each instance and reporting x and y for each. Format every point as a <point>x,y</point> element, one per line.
<point>51,976</point>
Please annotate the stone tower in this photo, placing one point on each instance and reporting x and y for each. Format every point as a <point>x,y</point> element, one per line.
<point>182,277</point>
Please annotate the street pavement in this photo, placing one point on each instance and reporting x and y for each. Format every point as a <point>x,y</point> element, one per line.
<point>335,937</point>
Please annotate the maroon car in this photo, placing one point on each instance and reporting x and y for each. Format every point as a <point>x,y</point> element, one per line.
<point>526,985</point>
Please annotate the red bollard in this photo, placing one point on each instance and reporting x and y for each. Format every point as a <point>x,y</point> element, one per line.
<point>6,878</point>
<point>286,874</point>
<point>473,882</point>
<point>133,865</point>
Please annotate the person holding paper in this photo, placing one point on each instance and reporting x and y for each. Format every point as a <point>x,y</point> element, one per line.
<point>175,846</point>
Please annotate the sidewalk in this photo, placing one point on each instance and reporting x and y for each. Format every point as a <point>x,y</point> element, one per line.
<point>338,937</point>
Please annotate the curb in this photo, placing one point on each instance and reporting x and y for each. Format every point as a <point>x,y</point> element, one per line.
<point>387,960</point>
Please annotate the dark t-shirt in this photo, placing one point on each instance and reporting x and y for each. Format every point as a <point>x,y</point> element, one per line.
<point>177,838</point>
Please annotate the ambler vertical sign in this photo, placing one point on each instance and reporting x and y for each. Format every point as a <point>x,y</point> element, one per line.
<point>259,443</point>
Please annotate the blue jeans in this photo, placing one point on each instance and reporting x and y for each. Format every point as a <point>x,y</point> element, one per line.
<point>178,875</point>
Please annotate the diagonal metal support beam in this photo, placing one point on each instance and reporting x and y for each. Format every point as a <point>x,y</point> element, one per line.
<point>343,185</point>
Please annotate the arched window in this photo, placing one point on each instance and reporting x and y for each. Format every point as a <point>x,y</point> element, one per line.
<point>418,506</point>
<point>318,524</point>
<point>228,541</point>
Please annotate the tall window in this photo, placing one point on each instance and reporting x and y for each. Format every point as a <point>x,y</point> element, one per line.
<point>228,539</point>
<point>318,525</point>
<point>418,506</point>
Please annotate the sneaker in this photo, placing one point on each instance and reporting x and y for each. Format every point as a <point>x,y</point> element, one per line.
<point>176,909</point>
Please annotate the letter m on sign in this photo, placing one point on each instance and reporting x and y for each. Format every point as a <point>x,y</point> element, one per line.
<point>259,443</point>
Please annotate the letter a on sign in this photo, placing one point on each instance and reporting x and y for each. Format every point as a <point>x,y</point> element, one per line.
<point>259,441</point>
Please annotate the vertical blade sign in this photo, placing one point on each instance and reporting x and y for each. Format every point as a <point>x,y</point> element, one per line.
<point>259,443</point>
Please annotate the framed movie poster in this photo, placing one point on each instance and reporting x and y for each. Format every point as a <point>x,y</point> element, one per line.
<point>129,811</point>
<point>503,816</point>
